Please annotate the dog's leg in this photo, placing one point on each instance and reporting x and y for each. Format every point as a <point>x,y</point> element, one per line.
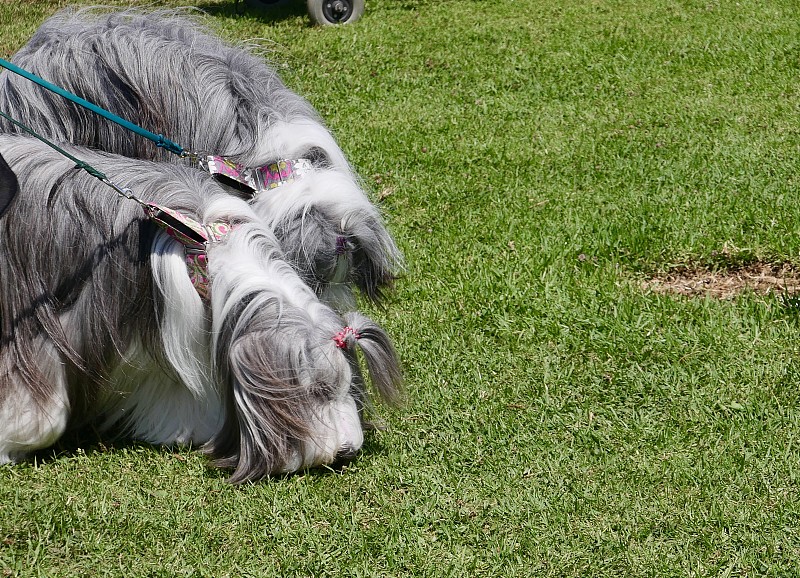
<point>29,421</point>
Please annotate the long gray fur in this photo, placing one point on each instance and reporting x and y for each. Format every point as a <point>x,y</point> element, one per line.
<point>85,280</point>
<point>163,71</point>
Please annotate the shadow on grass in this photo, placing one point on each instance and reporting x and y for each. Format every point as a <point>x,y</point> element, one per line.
<point>88,441</point>
<point>374,445</point>
<point>267,14</point>
<point>790,305</point>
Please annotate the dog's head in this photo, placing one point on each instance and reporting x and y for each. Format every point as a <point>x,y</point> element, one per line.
<point>333,235</point>
<point>296,394</point>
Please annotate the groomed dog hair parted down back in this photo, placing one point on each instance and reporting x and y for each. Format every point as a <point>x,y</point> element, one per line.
<point>163,71</point>
<point>100,323</point>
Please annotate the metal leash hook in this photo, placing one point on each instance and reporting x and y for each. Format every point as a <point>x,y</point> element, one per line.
<point>249,180</point>
<point>123,192</point>
<point>192,156</point>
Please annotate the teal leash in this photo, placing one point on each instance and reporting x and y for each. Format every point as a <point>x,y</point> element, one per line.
<point>193,235</point>
<point>257,179</point>
<point>160,140</point>
<point>165,218</point>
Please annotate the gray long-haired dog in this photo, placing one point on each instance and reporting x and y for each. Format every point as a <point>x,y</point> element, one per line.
<point>164,72</point>
<point>99,322</point>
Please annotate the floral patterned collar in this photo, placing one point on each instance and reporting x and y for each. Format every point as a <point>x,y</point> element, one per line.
<point>195,238</point>
<point>258,179</point>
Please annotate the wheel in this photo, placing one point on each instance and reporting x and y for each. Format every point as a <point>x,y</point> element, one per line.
<point>330,12</point>
<point>265,4</point>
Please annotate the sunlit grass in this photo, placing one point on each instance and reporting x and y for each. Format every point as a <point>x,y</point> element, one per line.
<point>535,161</point>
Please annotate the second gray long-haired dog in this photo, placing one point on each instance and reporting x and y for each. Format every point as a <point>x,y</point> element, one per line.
<point>99,322</point>
<point>165,73</point>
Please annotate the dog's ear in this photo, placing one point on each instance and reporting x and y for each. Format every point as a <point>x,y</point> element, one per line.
<point>9,186</point>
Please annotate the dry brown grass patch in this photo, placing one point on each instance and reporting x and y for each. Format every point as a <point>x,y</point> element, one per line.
<point>759,278</point>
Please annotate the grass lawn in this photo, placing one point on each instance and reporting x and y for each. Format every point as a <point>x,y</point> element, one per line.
<point>538,161</point>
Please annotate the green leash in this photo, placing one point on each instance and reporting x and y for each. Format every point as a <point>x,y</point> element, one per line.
<point>193,235</point>
<point>79,164</point>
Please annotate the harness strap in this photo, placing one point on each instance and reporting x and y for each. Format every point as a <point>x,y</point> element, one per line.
<point>195,238</point>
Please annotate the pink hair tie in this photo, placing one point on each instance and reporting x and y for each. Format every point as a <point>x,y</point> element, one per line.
<point>340,339</point>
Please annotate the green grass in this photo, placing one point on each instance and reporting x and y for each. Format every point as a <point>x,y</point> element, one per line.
<point>537,160</point>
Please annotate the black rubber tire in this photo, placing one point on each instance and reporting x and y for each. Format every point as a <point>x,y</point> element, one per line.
<point>333,12</point>
<point>265,4</point>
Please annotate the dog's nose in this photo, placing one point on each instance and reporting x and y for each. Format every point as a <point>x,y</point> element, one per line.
<point>344,456</point>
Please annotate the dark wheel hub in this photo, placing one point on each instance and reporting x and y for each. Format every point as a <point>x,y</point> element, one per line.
<point>337,10</point>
